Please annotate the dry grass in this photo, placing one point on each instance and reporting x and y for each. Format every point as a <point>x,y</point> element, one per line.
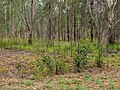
<point>92,79</point>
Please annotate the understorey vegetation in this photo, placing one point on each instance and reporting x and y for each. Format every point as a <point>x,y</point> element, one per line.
<point>62,59</point>
<point>59,44</point>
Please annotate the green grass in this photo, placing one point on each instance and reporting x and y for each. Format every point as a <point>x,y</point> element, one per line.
<point>37,46</point>
<point>3,70</point>
<point>48,84</point>
<point>114,47</point>
<point>63,47</point>
<point>28,83</point>
<point>87,77</point>
<point>62,54</point>
<point>68,83</point>
<point>20,44</point>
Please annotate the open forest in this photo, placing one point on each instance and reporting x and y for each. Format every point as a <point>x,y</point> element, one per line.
<point>59,44</point>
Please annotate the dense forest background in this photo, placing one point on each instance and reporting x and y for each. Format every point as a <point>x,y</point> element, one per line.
<point>65,36</point>
<point>60,19</point>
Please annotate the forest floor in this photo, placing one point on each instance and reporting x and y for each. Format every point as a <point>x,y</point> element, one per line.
<point>92,79</point>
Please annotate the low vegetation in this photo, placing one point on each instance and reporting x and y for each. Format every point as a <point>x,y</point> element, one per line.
<point>41,63</point>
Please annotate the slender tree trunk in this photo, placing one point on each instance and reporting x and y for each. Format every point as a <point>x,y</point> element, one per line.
<point>74,16</point>
<point>31,23</point>
<point>49,21</point>
<point>68,31</point>
<point>111,20</point>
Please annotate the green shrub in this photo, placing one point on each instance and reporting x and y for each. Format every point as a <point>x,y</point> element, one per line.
<point>114,47</point>
<point>40,68</point>
<point>50,66</point>
<point>45,66</point>
<point>81,57</point>
<point>61,66</point>
<point>99,55</point>
<point>49,62</point>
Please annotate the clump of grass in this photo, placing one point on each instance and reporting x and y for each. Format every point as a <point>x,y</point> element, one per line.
<point>28,82</point>
<point>40,68</point>
<point>3,70</point>
<point>113,47</point>
<point>80,87</point>
<point>49,62</point>
<point>48,84</point>
<point>61,66</point>
<point>87,77</point>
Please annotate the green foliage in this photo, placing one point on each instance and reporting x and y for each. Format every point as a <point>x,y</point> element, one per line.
<point>81,56</point>
<point>99,55</point>
<point>49,62</point>
<point>49,66</point>
<point>84,53</point>
<point>87,77</point>
<point>61,66</point>
<point>112,86</point>
<point>79,87</point>
<point>40,68</point>
<point>99,82</point>
<point>70,84</point>
<point>21,44</point>
<point>45,65</point>
<point>114,47</point>
<point>63,87</point>
<point>48,84</point>
<point>28,83</point>
<point>63,84</point>
<point>3,70</point>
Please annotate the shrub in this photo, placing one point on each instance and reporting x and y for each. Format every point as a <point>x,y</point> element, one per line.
<point>61,67</point>
<point>45,66</point>
<point>99,54</point>
<point>81,57</point>
<point>40,68</point>
<point>50,66</point>
<point>49,62</point>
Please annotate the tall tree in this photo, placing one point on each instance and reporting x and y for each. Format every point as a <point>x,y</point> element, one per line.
<point>32,12</point>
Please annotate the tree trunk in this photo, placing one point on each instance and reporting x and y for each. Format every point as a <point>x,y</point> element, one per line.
<point>31,23</point>
<point>111,20</point>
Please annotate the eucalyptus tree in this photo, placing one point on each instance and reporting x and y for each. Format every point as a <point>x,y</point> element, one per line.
<point>26,12</point>
<point>2,18</point>
<point>117,23</point>
<point>60,19</point>
<point>111,19</point>
<point>6,15</point>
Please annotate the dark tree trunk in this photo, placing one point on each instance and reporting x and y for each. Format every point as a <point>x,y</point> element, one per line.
<point>68,31</point>
<point>74,24</point>
<point>49,21</point>
<point>31,23</point>
<point>111,36</point>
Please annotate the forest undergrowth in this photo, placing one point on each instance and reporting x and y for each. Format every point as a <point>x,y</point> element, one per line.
<point>59,66</point>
